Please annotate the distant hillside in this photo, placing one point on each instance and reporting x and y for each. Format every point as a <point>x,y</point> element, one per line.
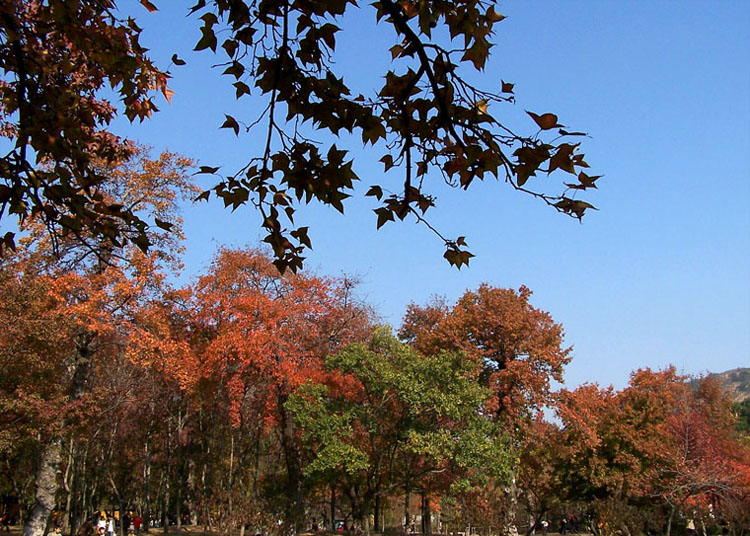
<point>736,382</point>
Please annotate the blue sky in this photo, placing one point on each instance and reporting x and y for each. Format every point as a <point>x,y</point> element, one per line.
<point>659,275</point>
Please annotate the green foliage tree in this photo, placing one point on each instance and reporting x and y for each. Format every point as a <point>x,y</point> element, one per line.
<point>742,410</point>
<point>427,118</point>
<point>391,417</point>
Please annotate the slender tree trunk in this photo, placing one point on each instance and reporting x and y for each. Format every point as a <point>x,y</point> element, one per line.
<point>165,500</point>
<point>407,518</point>
<point>669,521</point>
<point>333,507</point>
<point>146,489</point>
<point>426,515</point>
<point>68,484</point>
<point>80,485</point>
<point>46,489</point>
<point>294,491</point>
<point>191,492</point>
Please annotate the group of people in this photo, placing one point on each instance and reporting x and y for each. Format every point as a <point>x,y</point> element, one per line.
<point>105,523</point>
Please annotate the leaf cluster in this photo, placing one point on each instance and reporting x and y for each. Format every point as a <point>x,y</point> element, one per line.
<point>56,58</point>
<point>426,119</point>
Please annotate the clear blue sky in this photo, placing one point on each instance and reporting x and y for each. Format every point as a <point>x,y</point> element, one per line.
<point>660,274</point>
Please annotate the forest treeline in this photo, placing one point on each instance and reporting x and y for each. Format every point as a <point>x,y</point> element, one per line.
<point>251,400</point>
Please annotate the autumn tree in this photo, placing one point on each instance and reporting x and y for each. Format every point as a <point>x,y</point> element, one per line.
<point>56,59</point>
<point>701,464</point>
<point>259,335</point>
<point>657,449</point>
<point>89,291</point>
<point>427,119</point>
<point>540,471</point>
<point>517,349</point>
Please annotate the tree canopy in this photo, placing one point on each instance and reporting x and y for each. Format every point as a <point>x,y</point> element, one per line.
<point>427,119</point>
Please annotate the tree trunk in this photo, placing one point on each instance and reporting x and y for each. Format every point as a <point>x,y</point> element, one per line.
<point>46,476</point>
<point>68,483</point>
<point>377,526</point>
<point>294,490</point>
<point>407,518</point>
<point>145,507</point>
<point>46,489</point>
<point>360,514</point>
<point>191,504</point>
<point>669,521</point>
<point>426,515</point>
<point>511,502</point>
<point>167,471</point>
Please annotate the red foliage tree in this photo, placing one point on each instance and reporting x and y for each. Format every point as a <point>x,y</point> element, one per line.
<point>519,348</point>
<point>260,334</point>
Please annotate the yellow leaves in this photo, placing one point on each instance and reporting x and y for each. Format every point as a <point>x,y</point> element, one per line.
<point>481,106</point>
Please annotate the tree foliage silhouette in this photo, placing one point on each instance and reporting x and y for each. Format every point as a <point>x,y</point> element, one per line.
<point>428,119</point>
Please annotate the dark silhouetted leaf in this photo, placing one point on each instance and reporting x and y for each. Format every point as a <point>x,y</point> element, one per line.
<point>545,121</point>
<point>375,191</point>
<point>208,170</point>
<point>384,215</point>
<point>163,224</point>
<point>231,122</point>
<point>149,6</point>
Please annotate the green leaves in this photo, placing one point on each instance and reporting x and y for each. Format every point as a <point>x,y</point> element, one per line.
<point>418,412</point>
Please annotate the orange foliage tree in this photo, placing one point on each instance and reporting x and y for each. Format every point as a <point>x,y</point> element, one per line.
<point>259,335</point>
<point>89,291</point>
<point>660,443</point>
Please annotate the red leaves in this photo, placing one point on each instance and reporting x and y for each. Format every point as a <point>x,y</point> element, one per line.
<point>520,346</point>
<point>658,438</point>
<point>268,330</point>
